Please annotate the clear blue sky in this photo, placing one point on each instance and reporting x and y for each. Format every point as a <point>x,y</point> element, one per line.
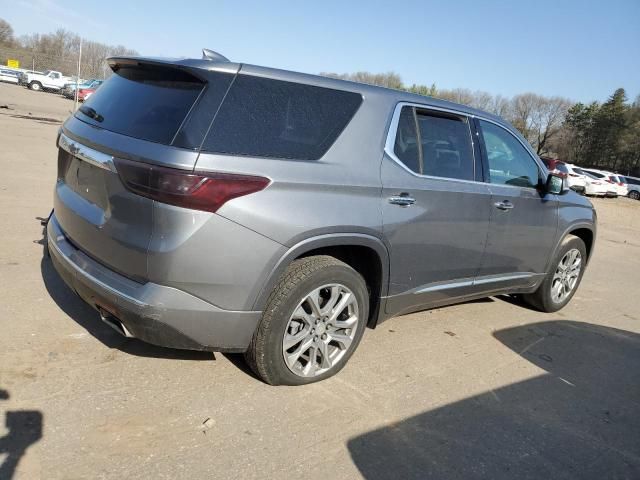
<point>579,49</point>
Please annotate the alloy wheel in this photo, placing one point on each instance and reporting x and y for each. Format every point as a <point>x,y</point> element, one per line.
<point>566,275</point>
<point>321,330</point>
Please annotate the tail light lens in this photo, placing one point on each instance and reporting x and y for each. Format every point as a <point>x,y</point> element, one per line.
<point>206,191</point>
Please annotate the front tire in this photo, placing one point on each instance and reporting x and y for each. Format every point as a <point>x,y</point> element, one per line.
<point>312,324</point>
<point>634,194</point>
<point>561,283</point>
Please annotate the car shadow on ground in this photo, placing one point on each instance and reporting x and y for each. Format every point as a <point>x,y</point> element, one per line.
<point>24,428</point>
<point>89,319</point>
<point>579,419</point>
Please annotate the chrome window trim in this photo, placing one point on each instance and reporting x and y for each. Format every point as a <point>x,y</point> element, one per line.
<point>89,155</point>
<point>393,128</point>
<point>391,140</point>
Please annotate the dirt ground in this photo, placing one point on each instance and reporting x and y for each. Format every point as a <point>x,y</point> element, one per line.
<point>487,389</point>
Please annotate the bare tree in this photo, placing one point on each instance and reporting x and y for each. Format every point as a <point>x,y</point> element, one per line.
<point>6,33</point>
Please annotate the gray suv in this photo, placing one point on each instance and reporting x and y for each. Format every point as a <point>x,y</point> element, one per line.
<point>204,204</point>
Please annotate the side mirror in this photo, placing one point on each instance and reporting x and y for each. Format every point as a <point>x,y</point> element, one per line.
<point>555,184</point>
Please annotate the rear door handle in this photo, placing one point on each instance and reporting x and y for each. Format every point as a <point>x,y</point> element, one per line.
<point>503,205</point>
<point>404,200</point>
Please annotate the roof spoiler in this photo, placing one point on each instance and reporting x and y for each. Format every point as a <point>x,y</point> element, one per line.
<point>213,56</point>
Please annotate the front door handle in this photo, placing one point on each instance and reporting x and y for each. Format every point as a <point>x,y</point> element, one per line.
<point>503,205</point>
<point>404,200</point>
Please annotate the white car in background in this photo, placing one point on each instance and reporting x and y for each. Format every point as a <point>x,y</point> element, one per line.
<point>576,179</point>
<point>633,185</point>
<point>620,183</point>
<point>10,76</point>
<point>593,185</point>
<point>612,188</point>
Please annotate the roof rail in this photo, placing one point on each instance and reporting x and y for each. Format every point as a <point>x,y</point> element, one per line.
<point>213,56</point>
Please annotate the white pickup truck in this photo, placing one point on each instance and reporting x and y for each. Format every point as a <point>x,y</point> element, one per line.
<point>48,80</point>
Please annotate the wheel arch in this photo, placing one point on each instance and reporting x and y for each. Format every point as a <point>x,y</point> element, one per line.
<point>366,254</point>
<point>584,231</point>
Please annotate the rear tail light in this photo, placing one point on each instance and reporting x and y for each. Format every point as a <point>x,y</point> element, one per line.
<point>206,191</point>
<point>609,181</point>
<point>574,175</point>
<point>621,184</point>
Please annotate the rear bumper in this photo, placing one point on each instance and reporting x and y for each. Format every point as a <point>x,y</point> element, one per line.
<point>153,313</point>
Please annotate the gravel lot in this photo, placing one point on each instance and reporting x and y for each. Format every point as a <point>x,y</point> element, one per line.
<point>487,389</point>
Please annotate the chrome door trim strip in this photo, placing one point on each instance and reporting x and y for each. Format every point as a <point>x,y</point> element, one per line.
<point>89,155</point>
<point>466,282</point>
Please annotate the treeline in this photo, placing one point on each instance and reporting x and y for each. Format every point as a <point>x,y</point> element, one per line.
<point>597,135</point>
<point>58,51</point>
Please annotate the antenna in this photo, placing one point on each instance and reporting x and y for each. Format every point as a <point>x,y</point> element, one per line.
<point>213,56</point>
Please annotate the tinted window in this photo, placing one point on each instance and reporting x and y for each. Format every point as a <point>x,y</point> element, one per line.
<point>271,118</point>
<point>561,167</point>
<point>406,145</point>
<point>143,102</point>
<point>633,181</point>
<point>595,174</point>
<point>509,162</point>
<point>446,146</point>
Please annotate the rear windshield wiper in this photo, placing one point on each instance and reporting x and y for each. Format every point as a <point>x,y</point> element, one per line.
<point>91,113</point>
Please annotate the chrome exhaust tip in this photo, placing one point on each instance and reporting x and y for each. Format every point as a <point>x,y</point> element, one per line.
<point>114,323</point>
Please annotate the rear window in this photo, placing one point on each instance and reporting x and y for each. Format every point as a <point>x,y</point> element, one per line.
<point>561,167</point>
<point>149,103</point>
<point>271,118</point>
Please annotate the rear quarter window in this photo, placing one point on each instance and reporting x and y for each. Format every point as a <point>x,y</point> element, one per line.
<point>272,118</point>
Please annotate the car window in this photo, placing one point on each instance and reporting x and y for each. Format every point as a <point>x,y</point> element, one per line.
<point>148,103</point>
<point>509,162</point>
<point>595,174</point>
<point>263,117</point>
<point>406,145</point>
<point>446,146</point>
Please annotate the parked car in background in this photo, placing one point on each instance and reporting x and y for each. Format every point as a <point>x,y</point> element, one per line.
<point>9,76</point>
<point>310,209</point>
<point>620,184</point>
<point>612,189</point>
<point>69,90</point>
<point>85,93</point>
<point>593,186</point>
<point>22,75</point>
<point>50,80</point>
<point>575,181</point>
<point>633,185</point>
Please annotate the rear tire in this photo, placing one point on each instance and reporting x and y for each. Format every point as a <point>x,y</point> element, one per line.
<point>35,86</point>
<point>296,343</point>
<point>561,283</point>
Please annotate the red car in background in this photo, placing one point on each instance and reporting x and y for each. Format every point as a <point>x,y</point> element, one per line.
<point>85,93</point>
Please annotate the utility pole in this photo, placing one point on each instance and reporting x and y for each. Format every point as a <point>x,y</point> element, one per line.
<point>75,102</point>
